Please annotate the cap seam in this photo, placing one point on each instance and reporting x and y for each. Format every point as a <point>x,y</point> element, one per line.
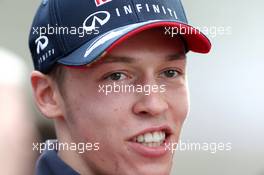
<point>54,20</point>
<point>56,6</point>
<point>133,5</point>
<point>180,2</point>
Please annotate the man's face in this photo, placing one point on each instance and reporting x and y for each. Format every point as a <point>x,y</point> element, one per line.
<point>129,126</point>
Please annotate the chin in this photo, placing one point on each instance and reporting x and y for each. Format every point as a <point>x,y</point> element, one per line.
<point>153,170</point>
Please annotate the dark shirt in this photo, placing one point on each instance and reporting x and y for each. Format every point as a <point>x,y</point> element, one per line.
<point>49,163</point>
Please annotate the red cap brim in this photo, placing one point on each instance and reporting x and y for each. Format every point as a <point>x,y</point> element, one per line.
<point>195,40</point>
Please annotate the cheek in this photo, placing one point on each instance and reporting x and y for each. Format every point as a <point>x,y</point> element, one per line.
<point>178,100</point>
<point>104,120</point>
<point>96,116</point>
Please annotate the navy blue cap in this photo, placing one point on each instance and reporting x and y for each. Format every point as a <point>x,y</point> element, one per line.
<point>77,32</point>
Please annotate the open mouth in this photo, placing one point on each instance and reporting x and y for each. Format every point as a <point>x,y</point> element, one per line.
<point>153,137</point>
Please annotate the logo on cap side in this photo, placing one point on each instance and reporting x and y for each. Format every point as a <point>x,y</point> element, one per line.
<point>42,42</point>
<point>41,45</point>
<point>101,2</point>
<point>101,17</point>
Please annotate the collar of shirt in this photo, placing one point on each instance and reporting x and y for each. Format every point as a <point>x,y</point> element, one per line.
<point>50,163</point>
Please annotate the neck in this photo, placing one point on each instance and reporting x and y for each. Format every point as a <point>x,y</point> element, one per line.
<point>70,157</point>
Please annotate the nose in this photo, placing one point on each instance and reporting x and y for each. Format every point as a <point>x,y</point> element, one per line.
<point>150,105</point>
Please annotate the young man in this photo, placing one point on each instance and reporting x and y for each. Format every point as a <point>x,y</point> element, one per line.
<point>81,82</point>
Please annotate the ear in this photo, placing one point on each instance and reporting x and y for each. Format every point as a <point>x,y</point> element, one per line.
<point>46,95</point>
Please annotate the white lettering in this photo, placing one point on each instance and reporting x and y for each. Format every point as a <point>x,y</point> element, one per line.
<point>128,9</point>
<point>117,12</point>
<point>147,7</point>
<point>164,11</point>
<point>151,8</point>
<point>139,7</point>
<point>156,8</point>
<point>175,15</point>
<point>170,11</point>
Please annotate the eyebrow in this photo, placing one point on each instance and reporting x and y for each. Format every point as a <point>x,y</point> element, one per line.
<point>178,56</point>
<point>125,59</point>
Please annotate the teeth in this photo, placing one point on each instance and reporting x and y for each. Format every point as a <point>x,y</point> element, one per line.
<point>156,137</point>
<point>148,137</point>
<point>151,139</point>
<point>140,138</point>
<point>163,135</point>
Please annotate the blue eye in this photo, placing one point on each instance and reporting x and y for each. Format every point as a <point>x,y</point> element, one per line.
<point>170,73</point>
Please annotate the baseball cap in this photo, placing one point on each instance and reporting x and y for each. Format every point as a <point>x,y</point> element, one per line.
<point>77,32</point>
